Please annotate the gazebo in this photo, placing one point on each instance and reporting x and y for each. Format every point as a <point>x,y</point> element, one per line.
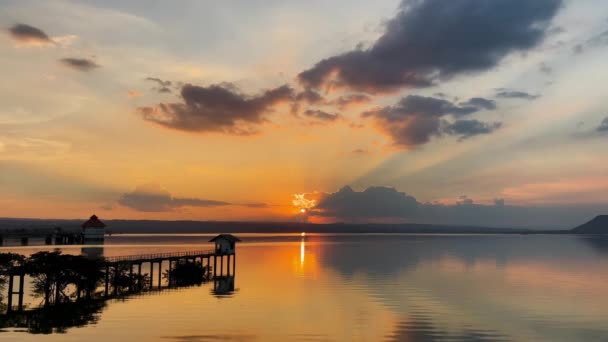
<point>225,244</point>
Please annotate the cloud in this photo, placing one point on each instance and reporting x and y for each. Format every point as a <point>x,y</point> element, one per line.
<point>374,202</point>
<point>320,115</point>
<point>600,39</point>
<point>603,127</point>
<point>153,198</point>
<point>310,96</point>
<point>469,128</point>
<point>80,64</point>
<point>350,100</point>
<point>386,204</point>
<point>434,40</point>
<point>479,102</point>
<point>415,119</point>
<point>29,35</point>
<point>515,94</point>
<point>217,108</point>
<point>163,86</point>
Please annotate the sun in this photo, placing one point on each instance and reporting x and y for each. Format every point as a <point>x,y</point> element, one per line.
<point>303,211</point>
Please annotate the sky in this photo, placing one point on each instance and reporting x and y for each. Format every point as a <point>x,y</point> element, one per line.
<point>424,111</point>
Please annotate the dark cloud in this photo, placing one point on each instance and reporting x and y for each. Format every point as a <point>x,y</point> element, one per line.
<point>360,151</point>
<point>153,198</point>
<point>515,94</point>
<point>310,96</point>
<point>603,127</point>
<point>217,108</point>
<point>428,106</point>
<point>352,99</point>
<point>29,34</point>
<point>163,86</point>
<point>80,64</point>
<point>479,102</point>
<point>385,204</point>
<point>321,115</point>
<point>468,128</point>
<point>435,40</point>
<point>374,202</point>
<point>414,120</point>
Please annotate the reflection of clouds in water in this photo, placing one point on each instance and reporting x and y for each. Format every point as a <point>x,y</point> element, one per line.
<point>467,287</point>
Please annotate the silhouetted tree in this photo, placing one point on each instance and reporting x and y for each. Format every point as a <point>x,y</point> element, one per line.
<point>123,280</point>
<point>84,273</point>
<point>51,274</point>
<point>186,273</point>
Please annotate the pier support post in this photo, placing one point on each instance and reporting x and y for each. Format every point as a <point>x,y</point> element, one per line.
<point>115,284</point>
<point>221,265</point>
<point>21,292</point>
<point>151,275</point>
<point>160,273</point>
<point>107,280</point>
<point>130,277</point>
<point>214,265</point>
<point>169,274</point>
<point>9,302</point>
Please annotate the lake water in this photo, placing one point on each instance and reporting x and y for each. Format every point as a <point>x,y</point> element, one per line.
<point>365,288</point>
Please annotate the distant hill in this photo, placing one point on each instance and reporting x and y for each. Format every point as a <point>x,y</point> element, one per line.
<point>599,225</point>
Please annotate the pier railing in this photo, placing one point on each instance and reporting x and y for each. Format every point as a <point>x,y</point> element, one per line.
<point>160,256</point>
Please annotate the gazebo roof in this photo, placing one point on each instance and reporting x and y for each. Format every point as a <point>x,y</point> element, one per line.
<point>93,222</point>
<point>228,237</point>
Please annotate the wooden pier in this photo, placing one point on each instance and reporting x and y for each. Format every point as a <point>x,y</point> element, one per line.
<point>122,275</point>
<point>134,263</point>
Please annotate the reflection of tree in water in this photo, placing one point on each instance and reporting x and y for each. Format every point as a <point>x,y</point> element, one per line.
<point>55,319</point>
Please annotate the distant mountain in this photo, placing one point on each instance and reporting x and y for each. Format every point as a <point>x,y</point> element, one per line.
<point>599,225</point>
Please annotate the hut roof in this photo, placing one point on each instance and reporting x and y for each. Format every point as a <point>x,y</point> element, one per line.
<point>93,222</point>
<point>228,237</point>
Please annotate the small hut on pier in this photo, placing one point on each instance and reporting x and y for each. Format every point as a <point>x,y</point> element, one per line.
<point>225,244</point>
<point>93,230</point>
